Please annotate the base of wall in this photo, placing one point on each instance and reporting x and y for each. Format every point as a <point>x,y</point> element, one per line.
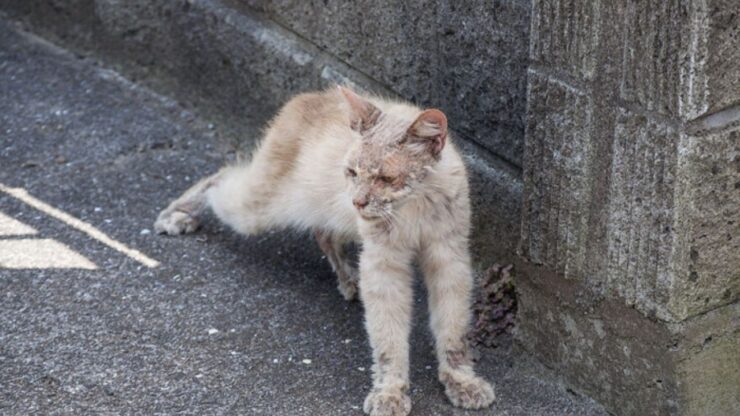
<point>633,365</point>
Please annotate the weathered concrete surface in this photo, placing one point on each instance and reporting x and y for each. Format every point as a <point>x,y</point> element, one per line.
<point>707,361</point>
<point>238,67</point>
<point>707,256</point>
<point>630,204</point>
<point>608,350</point>
<point>630,261</point>
<point>426,52</point>
<point>631,363</point>
<point>554,219</point>
<point>686,67</point>
<point>673,222</point>
<point>565,36</point>
<point>430,52</point>
<point>224,324</point>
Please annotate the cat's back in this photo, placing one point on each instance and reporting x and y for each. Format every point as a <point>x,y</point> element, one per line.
<point>308,116</point>
<point>303,123</point>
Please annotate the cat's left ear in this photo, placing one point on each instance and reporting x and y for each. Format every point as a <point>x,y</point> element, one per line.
<point>363,113</point>
<point>429,131</point>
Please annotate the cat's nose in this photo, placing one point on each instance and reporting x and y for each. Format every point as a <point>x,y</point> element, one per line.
<point>360,203</point>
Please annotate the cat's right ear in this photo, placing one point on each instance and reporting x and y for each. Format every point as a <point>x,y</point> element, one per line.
<point>363,114</point>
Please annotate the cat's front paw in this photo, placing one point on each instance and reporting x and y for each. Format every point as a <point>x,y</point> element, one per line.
<point>175,222</point>
<point>467,390</point>
<point>387,402</point>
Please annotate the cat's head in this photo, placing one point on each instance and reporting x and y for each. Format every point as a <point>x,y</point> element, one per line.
<point>392,157</point>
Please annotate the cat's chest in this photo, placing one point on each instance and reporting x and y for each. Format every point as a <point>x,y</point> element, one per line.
<point>411,226</point>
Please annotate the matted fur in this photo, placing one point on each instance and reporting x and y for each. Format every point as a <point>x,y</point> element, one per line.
<point>380,173</point>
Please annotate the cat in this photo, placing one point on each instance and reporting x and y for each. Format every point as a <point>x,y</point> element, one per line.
<point>380,173</point>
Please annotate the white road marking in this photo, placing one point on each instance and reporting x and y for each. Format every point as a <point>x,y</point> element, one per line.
<point>23,195</point>
<point>10,226</point>
<point>40,253</point>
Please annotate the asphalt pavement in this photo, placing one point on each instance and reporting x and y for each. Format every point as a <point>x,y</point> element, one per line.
<point>223,324</point>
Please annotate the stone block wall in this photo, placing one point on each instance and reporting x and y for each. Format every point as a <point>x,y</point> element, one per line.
<point>631,205</point>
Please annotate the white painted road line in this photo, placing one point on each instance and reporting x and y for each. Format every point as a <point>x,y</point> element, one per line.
<point>10,226</point>
<point>40,253</point>
<point>24,196</point>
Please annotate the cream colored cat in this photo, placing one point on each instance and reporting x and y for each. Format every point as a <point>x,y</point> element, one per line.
<point>380,173</point>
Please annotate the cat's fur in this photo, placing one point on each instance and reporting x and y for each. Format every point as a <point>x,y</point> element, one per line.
<point>381,173</point>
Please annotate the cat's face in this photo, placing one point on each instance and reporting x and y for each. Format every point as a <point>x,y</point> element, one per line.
<point>392,158</point>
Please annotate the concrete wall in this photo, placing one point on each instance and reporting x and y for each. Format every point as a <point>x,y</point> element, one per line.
<point>429,52</point>
<point>603,143</point>
<point>630,244</point>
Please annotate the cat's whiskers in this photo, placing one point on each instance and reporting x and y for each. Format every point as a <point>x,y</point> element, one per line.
<point>391,216</point>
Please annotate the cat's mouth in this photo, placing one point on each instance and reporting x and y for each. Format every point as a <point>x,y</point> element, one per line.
<point>368,217</point>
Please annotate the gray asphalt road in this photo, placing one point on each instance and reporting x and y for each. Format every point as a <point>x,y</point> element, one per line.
<point>224,325</point>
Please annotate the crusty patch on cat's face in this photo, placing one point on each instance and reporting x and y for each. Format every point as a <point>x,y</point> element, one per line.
<point>384,171</point>
<point>392,156</point>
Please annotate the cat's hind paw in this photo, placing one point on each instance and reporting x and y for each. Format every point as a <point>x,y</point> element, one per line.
<point>468,391</point>
<point>348,289</point>
<point>175,222</point>
<point>392,402</point>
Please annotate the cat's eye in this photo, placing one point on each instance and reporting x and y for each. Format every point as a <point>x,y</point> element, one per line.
<point>351,172</point>
<point>387,179</point>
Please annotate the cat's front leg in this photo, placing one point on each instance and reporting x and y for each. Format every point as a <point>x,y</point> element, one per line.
<point>448,276</point>
<point>386,293</point>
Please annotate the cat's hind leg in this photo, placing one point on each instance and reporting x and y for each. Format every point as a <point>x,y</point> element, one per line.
<point>333,248</point>
<point>181,216</point>
<point>239,196</point>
